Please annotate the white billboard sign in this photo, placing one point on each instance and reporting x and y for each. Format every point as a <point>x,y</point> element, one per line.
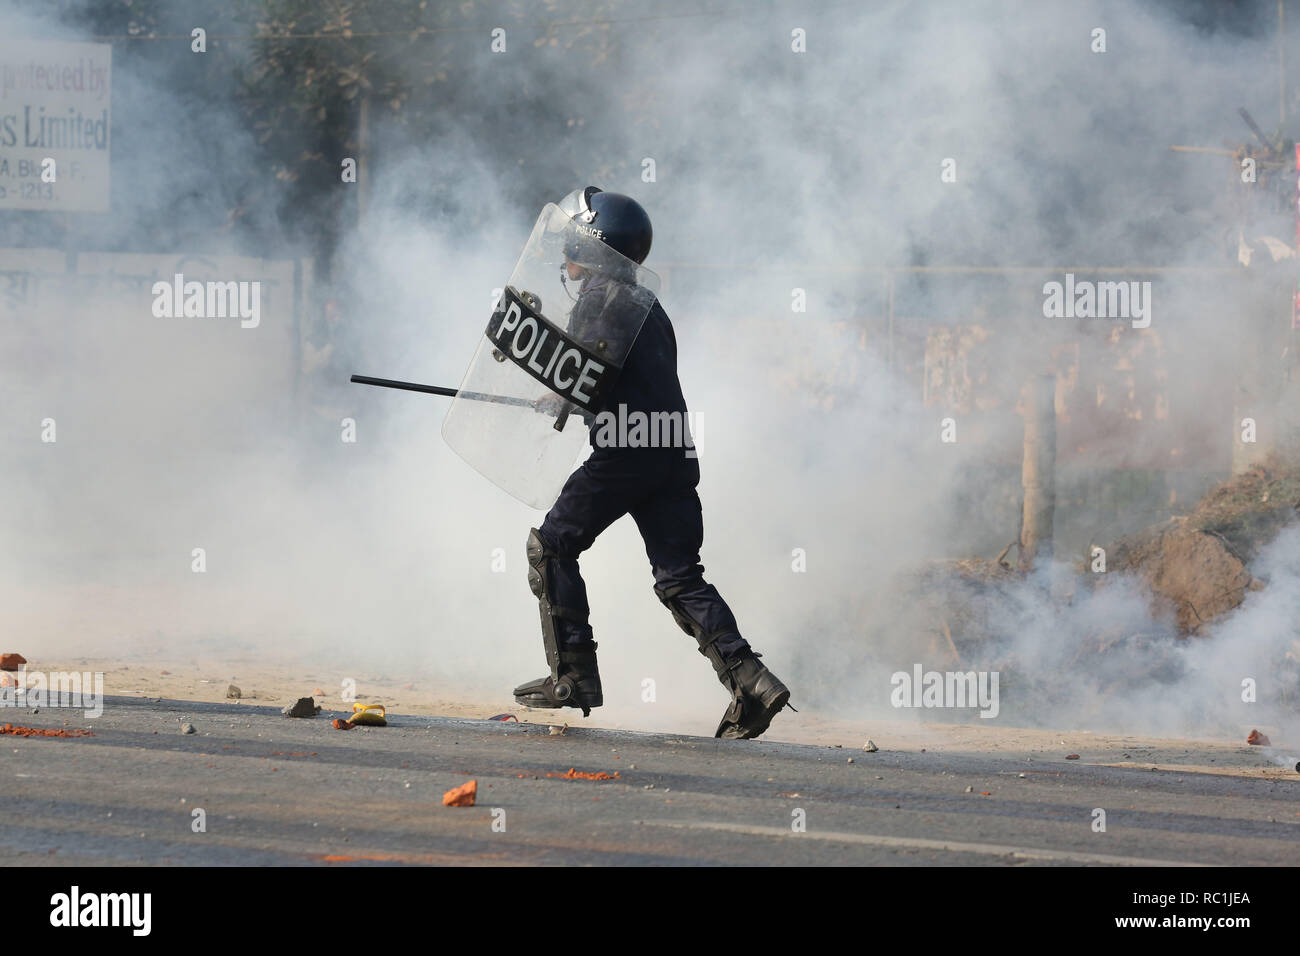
<point>54,125</point>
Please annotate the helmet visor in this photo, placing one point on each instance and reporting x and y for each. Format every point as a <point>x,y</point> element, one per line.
<point>577,205</point>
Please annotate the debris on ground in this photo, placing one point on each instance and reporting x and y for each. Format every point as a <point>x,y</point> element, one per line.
<point>462,796</point>
<point>318,692</point>
<point>557,731</point>
<point>572,774</point>
<point>369,715</point>
<point>1071,756</point>
<point>303,707</point>
<point>233,692</point>
<point>42,732</point>
<point>12,662</point>
<point>870,747</point>
<point>505,717</point>
<point>188,729</point>
<point>1256,739</point>
<point>372,715</point>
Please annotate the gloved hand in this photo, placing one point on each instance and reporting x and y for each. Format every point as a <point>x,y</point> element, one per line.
<point>551,404</point>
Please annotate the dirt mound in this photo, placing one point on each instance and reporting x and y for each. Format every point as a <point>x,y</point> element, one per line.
<point>1198,565</point>
<point>1196,575</point>
<point>956,603</point>
<point>1248,511</point>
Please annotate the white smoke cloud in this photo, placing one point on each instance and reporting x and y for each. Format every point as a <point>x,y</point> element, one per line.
<point>774,170</point>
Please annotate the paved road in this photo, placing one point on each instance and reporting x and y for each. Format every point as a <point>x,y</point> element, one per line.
<point>281,791</point>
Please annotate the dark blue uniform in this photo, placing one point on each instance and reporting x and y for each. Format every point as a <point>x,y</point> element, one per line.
<point>656,486</point>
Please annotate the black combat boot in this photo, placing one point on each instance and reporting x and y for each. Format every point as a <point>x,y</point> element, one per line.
<point>757,696</point>
<point>577,686</point>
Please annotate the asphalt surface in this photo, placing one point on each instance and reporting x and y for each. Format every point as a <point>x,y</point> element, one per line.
<point>275,791</point>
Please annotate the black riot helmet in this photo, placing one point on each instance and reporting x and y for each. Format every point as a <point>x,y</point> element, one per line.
<point>612,218</point>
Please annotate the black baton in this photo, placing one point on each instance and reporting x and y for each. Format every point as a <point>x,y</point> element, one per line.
<point>453,393</point>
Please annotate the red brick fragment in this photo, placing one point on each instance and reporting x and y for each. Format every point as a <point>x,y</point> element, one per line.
<point>42,732</point>
<point>462,796</point>
<point>573,774</point>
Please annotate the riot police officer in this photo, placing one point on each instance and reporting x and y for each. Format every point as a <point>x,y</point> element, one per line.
<point>656,485</point>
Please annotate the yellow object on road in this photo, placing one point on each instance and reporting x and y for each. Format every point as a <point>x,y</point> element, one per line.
<point>372,715</point>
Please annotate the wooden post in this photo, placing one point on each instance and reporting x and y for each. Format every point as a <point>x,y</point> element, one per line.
<point>1038,472</point>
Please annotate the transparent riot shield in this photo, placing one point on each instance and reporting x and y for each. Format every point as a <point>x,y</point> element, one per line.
<point>552,350</point>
